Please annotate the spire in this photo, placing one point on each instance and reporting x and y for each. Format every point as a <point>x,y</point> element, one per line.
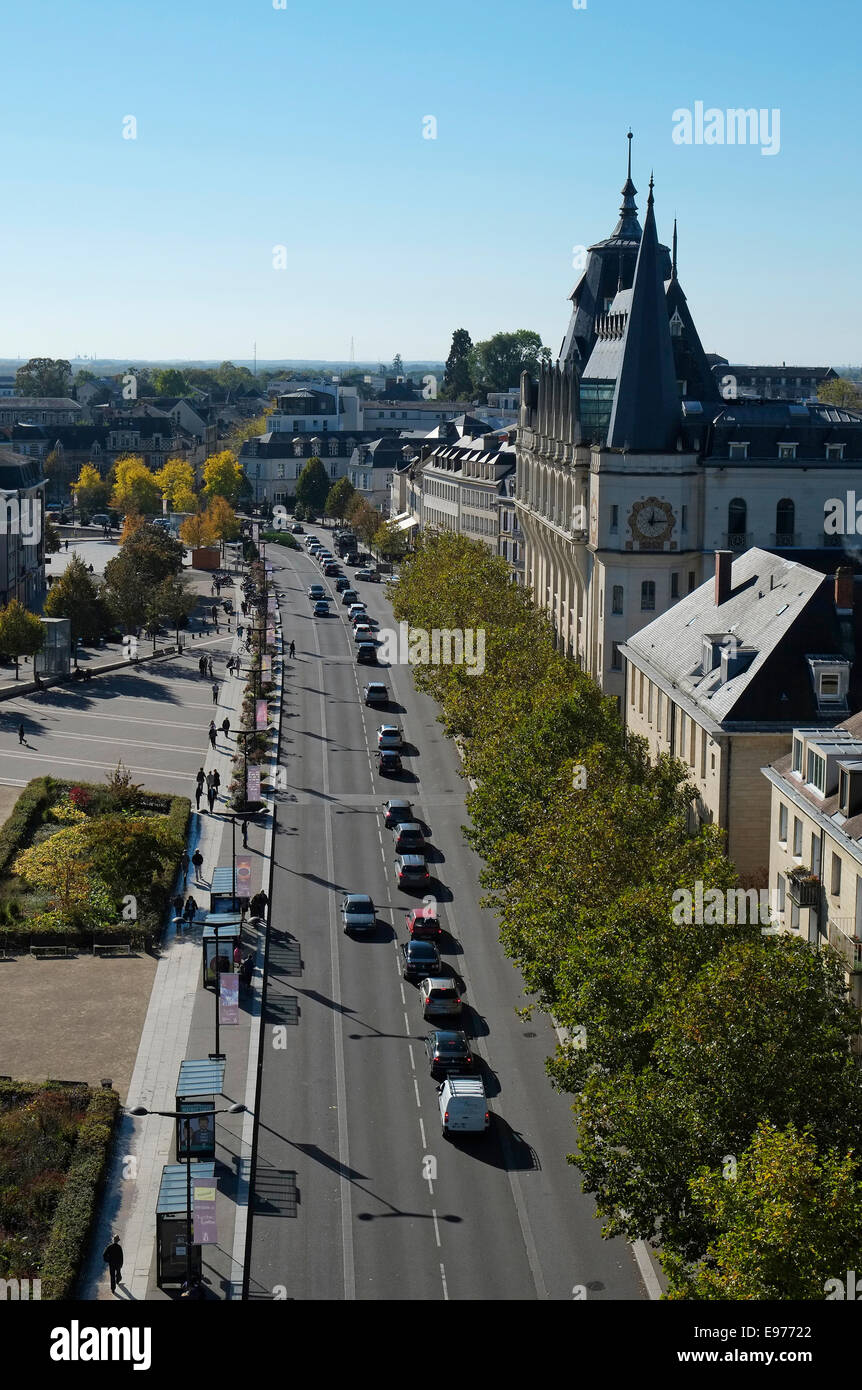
<point>645,411</point>
<point>673,254</point>
<point>628,225</point>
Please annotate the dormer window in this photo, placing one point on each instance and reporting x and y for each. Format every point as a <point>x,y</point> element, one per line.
<point>830,676</point>
<point>850,788</point>
<point>787,451</point>
<point>738,451</point>
<point>676,325</point>
<point>835,451</point>
<point>816,774</point>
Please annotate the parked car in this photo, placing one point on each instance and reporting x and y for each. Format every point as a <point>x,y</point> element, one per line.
<point>316,591</point>
<point>396,810</point>
<point>348,596</point>
<point>409,838</point>
<point>388,762</point>
<point>411,872</point>
<point>448,1052</point>
<point>366,655</point>
<point>463,1106</point>
<point>389,736</point>
<point>421,958</point>
<point>321,608</point>
<point>376,693</point>
<point>357,912</point>
<point>423,922</point>
<point>366,574</point>
<point>439,998</point>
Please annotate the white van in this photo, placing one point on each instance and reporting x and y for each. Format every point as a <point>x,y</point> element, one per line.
<point>463,1106</point>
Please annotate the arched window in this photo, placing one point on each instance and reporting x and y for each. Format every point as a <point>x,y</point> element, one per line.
<point>785,520</point>
<point>647,595</point>
<point>737,515</point>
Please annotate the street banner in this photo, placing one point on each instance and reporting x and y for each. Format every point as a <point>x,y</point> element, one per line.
<point>270,636</point>
<point>252,784</point>
<point>243,875</point>
<point>205,1230</point>
<point>267,567</point>
<point>261,718</point>
<point>266,667</point>
<point>228,995</point>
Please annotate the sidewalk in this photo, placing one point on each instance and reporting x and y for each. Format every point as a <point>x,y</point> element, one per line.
<point>180,1025</point>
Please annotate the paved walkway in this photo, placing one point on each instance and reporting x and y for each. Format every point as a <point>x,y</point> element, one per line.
<point>179,1025</point>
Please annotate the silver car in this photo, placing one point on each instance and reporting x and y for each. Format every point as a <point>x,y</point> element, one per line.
<point>439,998</point>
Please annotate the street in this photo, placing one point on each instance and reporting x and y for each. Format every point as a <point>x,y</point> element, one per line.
<point>357,1195</point>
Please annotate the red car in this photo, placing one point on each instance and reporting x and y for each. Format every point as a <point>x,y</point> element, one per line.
<point>423,923</point>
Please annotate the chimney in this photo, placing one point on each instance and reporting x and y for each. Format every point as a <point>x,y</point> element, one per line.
<point>723,561</point>
<point>844,589</point>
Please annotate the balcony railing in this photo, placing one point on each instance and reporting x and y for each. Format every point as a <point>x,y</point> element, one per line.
<point>803,888</point>
<point>843,938</point>
<point>737,540</point>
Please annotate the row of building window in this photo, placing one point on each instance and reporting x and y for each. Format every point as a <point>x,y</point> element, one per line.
<point>484,525</point>
<point>472,497</point>
<point>687,739</point>
<point>739,451</point>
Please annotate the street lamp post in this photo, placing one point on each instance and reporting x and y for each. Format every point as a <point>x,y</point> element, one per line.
<point>237,1109</point>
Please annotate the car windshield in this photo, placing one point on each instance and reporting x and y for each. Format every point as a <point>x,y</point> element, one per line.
<point>359,905</point>
<point>450,1045</point>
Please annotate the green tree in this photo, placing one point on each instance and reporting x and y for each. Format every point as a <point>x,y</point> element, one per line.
<point>124,593</point>
<point>172,603</point>
<point>457,378</point>
<point>52,537</point>
<point>787,1220</point>
<point>397,365</point>
<point>312,488</point>
<point>44,376</point>
<point>21,633</point>
<point>497,363</point>
<point>389,542</point>
<point>170,381</point>
<point>840,391</point>
<point>223,477</point>
<point>76,596</point>
<point>339,498</point>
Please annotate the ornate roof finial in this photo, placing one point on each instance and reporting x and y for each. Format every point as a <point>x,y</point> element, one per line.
<point>673,256</point>
<point>651,185</point>
<point>630,137</point>
<point>628,226</point>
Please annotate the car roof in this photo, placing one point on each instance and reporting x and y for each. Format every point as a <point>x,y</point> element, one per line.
<point>398,801</point>
<point>450,1035</point>
<point>422,948</point>
<point>358,900</point>
<point>409,825</point>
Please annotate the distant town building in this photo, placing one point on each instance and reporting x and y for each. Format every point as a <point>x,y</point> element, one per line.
<point>769,383</point>
<point>39,410</point>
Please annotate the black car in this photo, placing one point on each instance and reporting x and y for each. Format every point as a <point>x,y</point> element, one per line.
<point>409,838</point>
<point>448,1051</point>
<point>396,811</point>
<point>388,762</point>
<point>366,654</point>
<point>421,958</point>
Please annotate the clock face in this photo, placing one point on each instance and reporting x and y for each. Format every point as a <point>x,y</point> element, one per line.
<point>652,520</point>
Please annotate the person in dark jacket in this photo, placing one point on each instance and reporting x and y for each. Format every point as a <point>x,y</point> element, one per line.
<point>197,860</point>
<point>113,1257</point>
<point>191,908</point>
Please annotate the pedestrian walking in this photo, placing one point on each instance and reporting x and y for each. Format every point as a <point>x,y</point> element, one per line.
<point>212,732</point>
<point>245,834</point>
<point>113,1257</point>
<point>292,649</point>
<point>237,957</point>
<point>258,904</point>
<point>200,665</point>
<point>211,796</point>
<point>199,791</point>
<point>225,727</point>
<point>66,544</point>
<point>213,612</point>
<point>177,905</point>
<point>197,860</point>
<point>22,734</point>
<point>216,778</point>
<point>184,865</point>
<point>191,908</point>
<point>209,667</point>
<point>215,693</point>
<point>201,777</point>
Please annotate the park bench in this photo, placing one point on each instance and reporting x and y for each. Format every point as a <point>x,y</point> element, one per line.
<point>124,947</point>
<point>54,950</point>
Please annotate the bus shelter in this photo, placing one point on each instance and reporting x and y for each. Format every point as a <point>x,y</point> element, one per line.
<point>197,1087</point>
<point>221,890</point>
<point>172,1223</point>
<point>222,933</point>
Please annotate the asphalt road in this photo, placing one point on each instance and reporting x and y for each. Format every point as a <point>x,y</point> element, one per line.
<point>357,1195</point>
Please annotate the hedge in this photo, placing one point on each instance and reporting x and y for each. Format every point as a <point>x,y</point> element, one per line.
<point>74,1217</point>
<point>31,805</point>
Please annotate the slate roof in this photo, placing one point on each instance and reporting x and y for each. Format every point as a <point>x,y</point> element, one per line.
<point>783,625</point>
<point>18,471</point>
<point>39,403</point>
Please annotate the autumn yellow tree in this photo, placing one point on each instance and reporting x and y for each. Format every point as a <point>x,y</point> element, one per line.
<point>221,518</point>
<point>222,476</point>
<point>91,490</point>
<point>197,530</point>
<point>135,487</point>
<point>176,479</point>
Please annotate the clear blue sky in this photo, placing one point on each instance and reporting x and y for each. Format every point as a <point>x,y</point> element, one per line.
<point>302,127</point>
